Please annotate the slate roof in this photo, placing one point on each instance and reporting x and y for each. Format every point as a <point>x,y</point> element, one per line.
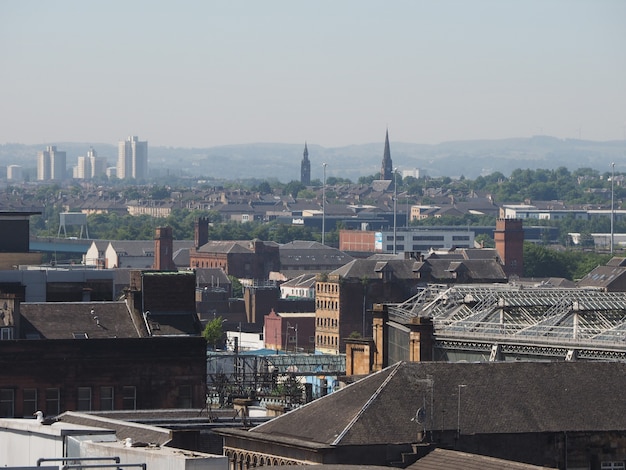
<point>144,247</point>
<point>381,185</point>
<point>465,253</point>
<point>300,257</point>
<point>212,277</point>
<point>496,397</point>
<point>174,323</point>
<point>305,281</point>
<point>61,320</point>
<point>181,257</point>
<point>370,269</point>
<point>602,276</point>
<point>443,459</point>
<point>475,269</point>
<point>229,246</point>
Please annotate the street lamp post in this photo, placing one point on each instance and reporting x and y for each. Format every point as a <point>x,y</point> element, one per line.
<point>612,204</point>
<point>407,212</point>
<point>324,204</point>
<point>395,207</point>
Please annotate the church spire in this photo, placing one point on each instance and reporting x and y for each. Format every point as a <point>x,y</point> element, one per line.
<point>305,168</point>
<point>386,169</point>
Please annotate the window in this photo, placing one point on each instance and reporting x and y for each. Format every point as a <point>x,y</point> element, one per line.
<point>53,402</point>
<point>185,396</point>
<point>84,399</point>
<point>6,333</point>
<point>29,402</point>
<point>7,404</point>
<point>460,237</point>
<point>612,465</point>
<point>106,398</point>
<point>129,398</point>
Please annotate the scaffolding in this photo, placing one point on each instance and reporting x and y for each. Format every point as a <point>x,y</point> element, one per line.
<point>250,374</point>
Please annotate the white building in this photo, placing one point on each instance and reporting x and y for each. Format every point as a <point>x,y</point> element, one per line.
<point>302,286</point>
<point>14,173</point>
<point>132,159</point>
<point>415,173</point>
<point>82,170</point>
<point>423,240</point>
<point>601,241</point>
<point>24,441</point>
<point>90,166</point>
<point>51,164</point>
<point>525,211</point>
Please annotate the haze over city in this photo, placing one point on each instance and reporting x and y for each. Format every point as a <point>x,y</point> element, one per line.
<point>202,74</point>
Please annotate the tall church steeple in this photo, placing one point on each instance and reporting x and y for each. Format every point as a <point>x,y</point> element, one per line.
<point>386,168</point>
<point>305,168</point>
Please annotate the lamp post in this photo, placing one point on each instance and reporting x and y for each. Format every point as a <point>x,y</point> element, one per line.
<point>395,206</point>
<point>458,412</point>
<point>612,203</point>
<point>324,204</point>
<point>407,212</point>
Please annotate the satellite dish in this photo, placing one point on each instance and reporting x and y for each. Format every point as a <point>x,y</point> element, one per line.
<point>420,416</point>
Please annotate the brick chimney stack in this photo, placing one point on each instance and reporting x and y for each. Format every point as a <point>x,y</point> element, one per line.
<point>201,232</point>
<point>509,238</point>
<point>164,249</point>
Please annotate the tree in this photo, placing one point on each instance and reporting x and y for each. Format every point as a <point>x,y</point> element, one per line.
<point>485,240</point>
<point>264,188</point>
<point>293,188</point>
<point>213,331</point>
<point>540,261</point>
<point>236,287</point>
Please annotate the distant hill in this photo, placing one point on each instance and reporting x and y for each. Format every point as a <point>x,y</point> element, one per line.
<point>282,161</point>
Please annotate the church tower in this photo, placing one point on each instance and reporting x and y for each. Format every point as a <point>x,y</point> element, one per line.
<point>305,168</point>
<point>386,168</point>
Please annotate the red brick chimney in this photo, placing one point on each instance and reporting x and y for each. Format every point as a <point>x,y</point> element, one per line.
<point>509,238</point>
<point>201,232</point>
<point>164,249</point>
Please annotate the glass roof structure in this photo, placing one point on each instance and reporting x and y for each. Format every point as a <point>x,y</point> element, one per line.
<point>515,314</point>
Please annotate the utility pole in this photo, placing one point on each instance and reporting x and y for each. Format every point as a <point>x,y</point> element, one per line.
<point>324,203</point>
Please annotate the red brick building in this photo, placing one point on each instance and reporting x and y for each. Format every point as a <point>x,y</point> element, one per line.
<point>509,238</point>
<point>290,331</point>
<point>253,259</point>
<point>101,374</point>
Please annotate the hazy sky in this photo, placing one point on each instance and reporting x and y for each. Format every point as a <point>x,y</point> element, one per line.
<point>336,72</point>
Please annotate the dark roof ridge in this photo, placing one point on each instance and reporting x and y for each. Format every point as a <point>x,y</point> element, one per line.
<point>312,404</point>
<point>364,408</point>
